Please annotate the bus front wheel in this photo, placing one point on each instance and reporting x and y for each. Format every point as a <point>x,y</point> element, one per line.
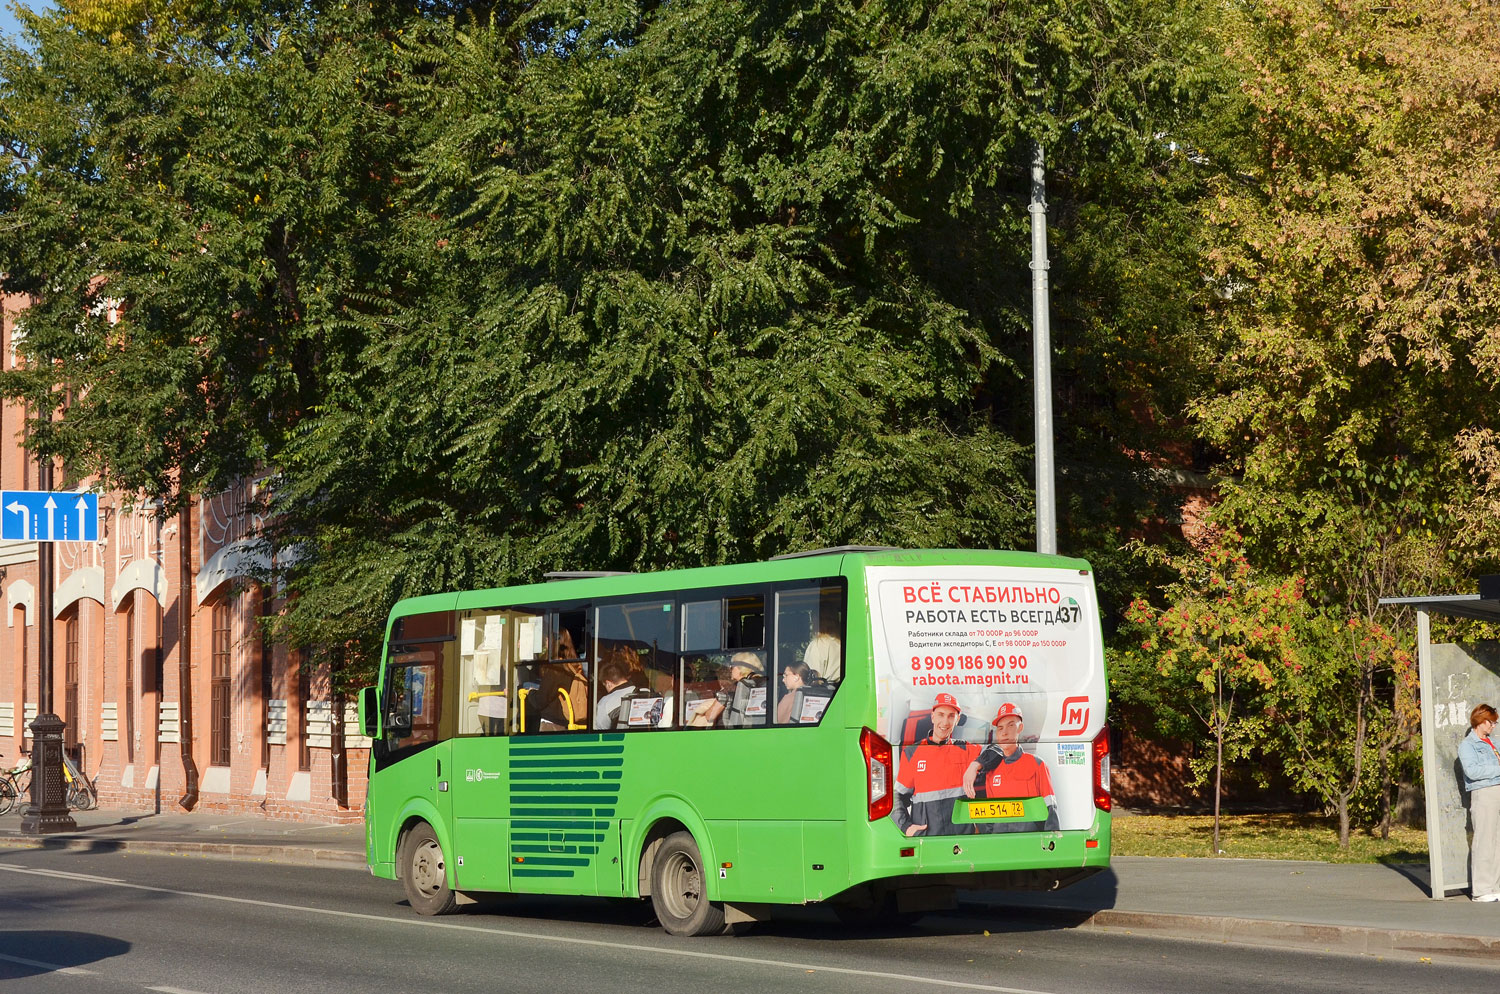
<point>679,891</point>
<point>424,872</point>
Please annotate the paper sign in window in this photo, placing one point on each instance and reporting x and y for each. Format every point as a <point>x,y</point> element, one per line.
<point>645,712</point>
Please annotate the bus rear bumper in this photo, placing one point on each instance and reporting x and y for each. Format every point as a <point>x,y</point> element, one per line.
<point>938,866</point>
<point>939,891</point>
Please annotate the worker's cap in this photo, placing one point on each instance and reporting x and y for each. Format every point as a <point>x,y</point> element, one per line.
<point>946,701</point>
<point>1007,711</point>
<point>749,661</point>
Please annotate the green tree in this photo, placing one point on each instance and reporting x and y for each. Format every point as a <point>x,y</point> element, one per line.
<point>714,282</point>
<point>500,289</point>
<point>1352,236</point>
<point>1349,690</point>
<point>1352,233</point>
<point>221,177</point>
<point>1210,661</point>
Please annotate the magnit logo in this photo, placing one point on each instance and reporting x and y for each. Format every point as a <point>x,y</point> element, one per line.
<point>1075,716</point>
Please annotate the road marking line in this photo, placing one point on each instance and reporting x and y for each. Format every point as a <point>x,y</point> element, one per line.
<point>631,947</point>
<point>173,990</point>
<point>50,967</point>
<point>87,877</point>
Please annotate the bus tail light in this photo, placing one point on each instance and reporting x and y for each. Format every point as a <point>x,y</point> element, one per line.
<point>1101,769</point>
<point>878,766</point>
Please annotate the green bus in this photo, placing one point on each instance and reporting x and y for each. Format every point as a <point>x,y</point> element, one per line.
<point>867,727</point>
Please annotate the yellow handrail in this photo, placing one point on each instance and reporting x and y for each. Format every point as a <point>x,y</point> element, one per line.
<point>567,701</point>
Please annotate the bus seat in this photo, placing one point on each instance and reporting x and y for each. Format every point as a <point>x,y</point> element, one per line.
<point>748,705</point>
<point>812,702</point>
<point>637,702</point>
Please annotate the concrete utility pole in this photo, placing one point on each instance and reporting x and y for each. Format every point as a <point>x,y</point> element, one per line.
<point>1041,338</point>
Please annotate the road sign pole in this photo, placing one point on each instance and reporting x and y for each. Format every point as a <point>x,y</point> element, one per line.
<point>48,810</point>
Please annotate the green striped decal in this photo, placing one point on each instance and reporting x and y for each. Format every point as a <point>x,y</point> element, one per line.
<point>562,789</point>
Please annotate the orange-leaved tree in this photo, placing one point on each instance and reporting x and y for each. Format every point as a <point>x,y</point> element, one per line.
<point>1207,661</point>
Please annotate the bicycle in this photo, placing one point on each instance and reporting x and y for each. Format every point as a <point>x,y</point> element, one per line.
<point>80,789</point>
<point>14,785</point>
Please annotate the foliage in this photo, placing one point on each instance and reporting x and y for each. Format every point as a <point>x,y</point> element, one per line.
<point>504,289</point>
<point>1353,240</point>
<point>218,179</point>
<point>1211,661</point>
<point>1245,662</point>
<point>1343,715</point>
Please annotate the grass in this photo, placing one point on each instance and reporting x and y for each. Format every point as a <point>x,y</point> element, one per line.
<point>1262,836</point>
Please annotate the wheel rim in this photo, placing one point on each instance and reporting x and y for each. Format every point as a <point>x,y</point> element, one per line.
<point>427,869</point>
<point>682,885</point>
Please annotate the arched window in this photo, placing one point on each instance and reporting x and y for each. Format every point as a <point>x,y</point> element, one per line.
<point>127,623</point>
<point>219,715</point>
<point>70,682</point>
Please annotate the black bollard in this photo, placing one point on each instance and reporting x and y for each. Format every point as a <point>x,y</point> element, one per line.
<point>48,811</point>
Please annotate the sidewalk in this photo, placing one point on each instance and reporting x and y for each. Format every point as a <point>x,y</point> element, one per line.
<point>1345,907</point>
<point>1356,908</point>
<point>226,836</point>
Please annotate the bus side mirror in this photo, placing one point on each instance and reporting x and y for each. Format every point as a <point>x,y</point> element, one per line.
<point>369,713</point>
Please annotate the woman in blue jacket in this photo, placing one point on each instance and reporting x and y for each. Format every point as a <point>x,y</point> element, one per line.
<point>1481,762</point>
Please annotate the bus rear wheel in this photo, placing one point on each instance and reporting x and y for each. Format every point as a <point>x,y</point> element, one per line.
<point>424,872</point>
<point>679,889</point>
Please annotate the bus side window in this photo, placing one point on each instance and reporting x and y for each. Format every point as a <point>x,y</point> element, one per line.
<point>810,629</point>
<point>422,657</point>
<point>643,637</point>
<point>523,653</point>
<point>414,710</point>
<point>484,699</point>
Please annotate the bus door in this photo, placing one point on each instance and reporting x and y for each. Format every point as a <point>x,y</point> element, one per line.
<point>480,787</point>
<point>419,713</point>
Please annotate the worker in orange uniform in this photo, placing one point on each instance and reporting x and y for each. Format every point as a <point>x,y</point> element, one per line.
<point>1008,771</point>
<point>931,775</point>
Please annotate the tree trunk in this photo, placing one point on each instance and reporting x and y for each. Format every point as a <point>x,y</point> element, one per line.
<point>1218,782</point>
<point>1218,758</point>
<point>1366,692</point>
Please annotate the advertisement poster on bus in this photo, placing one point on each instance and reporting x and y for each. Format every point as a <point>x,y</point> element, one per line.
<point>990,687</point>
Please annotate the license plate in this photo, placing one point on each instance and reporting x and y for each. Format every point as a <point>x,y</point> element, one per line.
<point>984,810</point>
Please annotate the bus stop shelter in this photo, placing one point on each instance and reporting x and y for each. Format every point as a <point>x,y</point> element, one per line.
<point>1454,678</point>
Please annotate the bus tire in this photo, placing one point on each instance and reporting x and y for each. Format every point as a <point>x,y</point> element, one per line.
<point>679,889</point>
<point>424,872</point>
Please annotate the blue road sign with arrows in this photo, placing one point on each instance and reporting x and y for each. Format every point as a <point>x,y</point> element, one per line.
<point>48,516</point>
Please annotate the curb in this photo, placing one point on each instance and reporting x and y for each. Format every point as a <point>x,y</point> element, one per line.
<point>1358,939</point>
<point>339,858</point>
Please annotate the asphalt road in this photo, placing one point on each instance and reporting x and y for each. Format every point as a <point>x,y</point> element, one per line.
<point>101,923</point>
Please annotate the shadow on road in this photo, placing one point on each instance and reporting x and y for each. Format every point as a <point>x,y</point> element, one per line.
<point>31,954</point>
<point>72,844</point>
<point>976,913</point>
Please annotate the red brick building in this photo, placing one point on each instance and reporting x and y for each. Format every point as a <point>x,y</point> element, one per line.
<point>125,612</point>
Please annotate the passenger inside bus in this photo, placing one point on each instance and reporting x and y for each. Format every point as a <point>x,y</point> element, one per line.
<point>794,676</point>
<point>614,680</point>
<point>805,696</point>
<point>743,703</point>
<point>562,701</point>
<point>825,655</point>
